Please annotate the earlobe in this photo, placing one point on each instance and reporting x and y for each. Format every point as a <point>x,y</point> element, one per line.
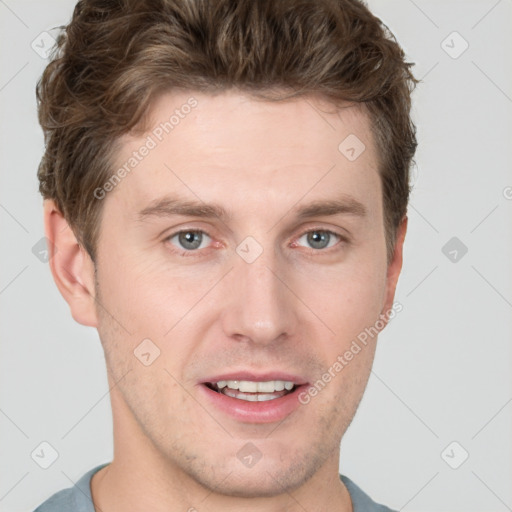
<point>71,266</point>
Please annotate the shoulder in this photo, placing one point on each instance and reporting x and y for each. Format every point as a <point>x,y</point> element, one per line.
<point>73,499</point>
<point>361,502</point>
<point>60,501</point>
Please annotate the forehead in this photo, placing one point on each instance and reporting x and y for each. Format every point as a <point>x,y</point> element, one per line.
<point>251,153</point>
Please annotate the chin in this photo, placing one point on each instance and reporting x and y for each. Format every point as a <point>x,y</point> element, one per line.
<point>259,483</point>
<point>266,478</point>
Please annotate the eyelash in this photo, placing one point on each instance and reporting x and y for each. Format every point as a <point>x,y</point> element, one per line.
<point>196,252</point>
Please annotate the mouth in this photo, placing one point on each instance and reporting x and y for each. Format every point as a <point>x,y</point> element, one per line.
<point>253,391</point>
<point>251,398</point>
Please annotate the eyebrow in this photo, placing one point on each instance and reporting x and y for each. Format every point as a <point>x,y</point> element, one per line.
<point>169,206</point>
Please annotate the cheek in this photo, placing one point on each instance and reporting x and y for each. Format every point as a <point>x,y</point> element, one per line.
<point>139,295</point>
<point>347,300</point>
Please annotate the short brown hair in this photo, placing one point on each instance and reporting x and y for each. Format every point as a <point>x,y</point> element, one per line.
<point>116,56</point>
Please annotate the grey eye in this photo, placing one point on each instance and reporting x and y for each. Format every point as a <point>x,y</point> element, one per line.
<point>320,238</point>
<point>190,240</point>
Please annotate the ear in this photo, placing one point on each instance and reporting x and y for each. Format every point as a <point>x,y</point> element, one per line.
<point>71,266</point>
<point>394,267</point>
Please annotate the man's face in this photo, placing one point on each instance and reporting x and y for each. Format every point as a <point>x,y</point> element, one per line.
<point>247,297</point>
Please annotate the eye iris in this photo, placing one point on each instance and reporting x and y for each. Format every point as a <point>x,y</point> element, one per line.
<point>190,237</point>
<point>318,237</point>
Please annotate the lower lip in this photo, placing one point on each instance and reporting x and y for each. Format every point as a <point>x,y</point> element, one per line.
<point>268,411</point>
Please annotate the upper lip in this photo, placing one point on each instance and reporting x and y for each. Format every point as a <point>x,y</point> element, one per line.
<point>256,377</point>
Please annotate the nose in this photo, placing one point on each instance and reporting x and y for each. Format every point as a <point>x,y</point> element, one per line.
<point>261,308</point>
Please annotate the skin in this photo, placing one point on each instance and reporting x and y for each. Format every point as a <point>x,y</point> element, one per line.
<point>295,308</point>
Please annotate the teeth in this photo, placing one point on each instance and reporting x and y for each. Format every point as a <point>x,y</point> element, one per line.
<point>262,387</point>
<point>279,385</point>
<point>233,384</point>
<point>247,386</point>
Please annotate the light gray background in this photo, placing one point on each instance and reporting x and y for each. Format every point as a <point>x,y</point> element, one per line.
<point>443,366</point>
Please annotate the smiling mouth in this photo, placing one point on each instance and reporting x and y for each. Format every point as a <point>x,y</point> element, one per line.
<point>252,391</point>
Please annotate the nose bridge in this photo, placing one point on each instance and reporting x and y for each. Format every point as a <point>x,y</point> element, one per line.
<point>261,307</point>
